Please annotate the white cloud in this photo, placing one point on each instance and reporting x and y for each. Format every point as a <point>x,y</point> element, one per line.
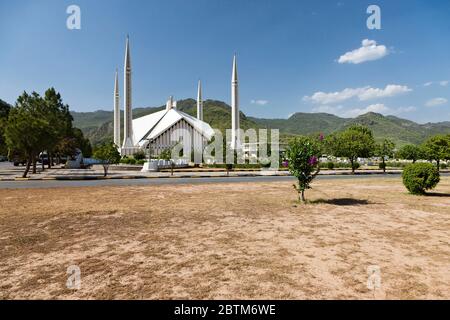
<point>328,109</point>
<point>378,108</point>
<point>369,51</point>
<point>442,83</point>
<point>436,102</point>
<point>259,102</point>
<point>363,94</point>
<point>390,91</point>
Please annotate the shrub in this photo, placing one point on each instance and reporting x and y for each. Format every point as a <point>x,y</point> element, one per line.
<point>443,166</point>
<point>131,161</point>
<point>140,162</point>
<point>140,155</point>
<point>382,166</point>
<point>356,166</point>
<point>330,165</point>
<point>418,177</point>
<point>303,162</point>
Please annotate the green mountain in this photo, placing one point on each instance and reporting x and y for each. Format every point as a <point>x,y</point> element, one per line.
<point>98,125</point>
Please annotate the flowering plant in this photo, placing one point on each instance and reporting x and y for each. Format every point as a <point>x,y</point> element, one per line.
<point>303,162</point>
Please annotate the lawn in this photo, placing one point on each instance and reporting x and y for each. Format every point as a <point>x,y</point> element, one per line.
<point>224,241</point>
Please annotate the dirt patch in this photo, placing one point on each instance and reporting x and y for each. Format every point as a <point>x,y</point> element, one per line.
<point>226,241</point>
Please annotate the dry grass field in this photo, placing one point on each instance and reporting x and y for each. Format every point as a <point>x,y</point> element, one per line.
<point>223,241</point>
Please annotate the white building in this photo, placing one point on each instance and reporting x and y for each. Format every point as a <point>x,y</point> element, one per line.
<point>165,129</point>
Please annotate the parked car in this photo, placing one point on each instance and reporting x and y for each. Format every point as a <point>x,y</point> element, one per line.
<point>3,158</point>
<point>43,158</point>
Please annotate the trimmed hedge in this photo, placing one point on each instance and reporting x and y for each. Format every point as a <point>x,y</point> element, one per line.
<point>419,177</point>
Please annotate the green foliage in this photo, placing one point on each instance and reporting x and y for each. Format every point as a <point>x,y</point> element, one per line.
<point>29,129</point>
<point>419,177</point>
<point>382,165</point>
<point>383,150</point>
<point>356,141</point>
<point>437,148</point>
<point>330,165</point>
<point>4,112</point>
<point>355,166</point>
<point>410,152</point>
<point>140,155</point>
<point>166,154</point>
<point>444,166</point>
<point>303,162</point>
<point>109,154</point>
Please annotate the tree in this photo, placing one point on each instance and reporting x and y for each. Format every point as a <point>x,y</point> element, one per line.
<point>356,141</point>
<point>109,154</point>
<point>410,152</point>
<point>302,158</point>
<point>60,119</point>
<point>383,150</point>
<point>437,148</point>
<point>28,129</point>
<point>4,112</point>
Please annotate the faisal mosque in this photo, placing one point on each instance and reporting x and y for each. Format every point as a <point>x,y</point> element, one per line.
<point>161,128</point>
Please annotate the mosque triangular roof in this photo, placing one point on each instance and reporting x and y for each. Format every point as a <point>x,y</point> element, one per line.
<point>154,124</point>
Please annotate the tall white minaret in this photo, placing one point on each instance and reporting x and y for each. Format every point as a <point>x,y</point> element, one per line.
<point>199,102</point>
<point>116,111</point>
<point>128,116</point>
<point>235,134</point>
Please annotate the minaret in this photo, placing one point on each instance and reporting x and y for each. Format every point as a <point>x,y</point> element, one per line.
<point>235,132</point>
<point>199,102</point>
<point>128,114</point>
<point>116,111</point>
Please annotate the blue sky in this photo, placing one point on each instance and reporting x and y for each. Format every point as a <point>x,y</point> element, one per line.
<point>293,56</point>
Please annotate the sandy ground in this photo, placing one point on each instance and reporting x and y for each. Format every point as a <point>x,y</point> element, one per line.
<point>224,241</point>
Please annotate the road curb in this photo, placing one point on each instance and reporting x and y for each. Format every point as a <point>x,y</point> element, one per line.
<point>187,176</point>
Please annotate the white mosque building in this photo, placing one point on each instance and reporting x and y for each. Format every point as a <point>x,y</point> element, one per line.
<point>160,129</point>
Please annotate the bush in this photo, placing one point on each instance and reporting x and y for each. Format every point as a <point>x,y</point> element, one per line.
<point>330,165</point>
<point>140,162</point>
<point>356,165</point>
<point>419,177</point>
<point>131,161</point>
<point>140,155</point>
<point>382,166</point>
<point>443,166</point>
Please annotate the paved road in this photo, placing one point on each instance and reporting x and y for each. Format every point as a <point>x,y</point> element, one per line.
<point>170,181</point>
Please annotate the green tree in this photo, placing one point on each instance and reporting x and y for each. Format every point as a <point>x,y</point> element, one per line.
<point>4,112</point>
<point>60,119</point>
<point>356,141</point>
<point>410,152</point>
<point>383,150</point>
<point>28,128</point>
<point>109,154</point>
<point>302,157</point>
<point>437,148</point>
